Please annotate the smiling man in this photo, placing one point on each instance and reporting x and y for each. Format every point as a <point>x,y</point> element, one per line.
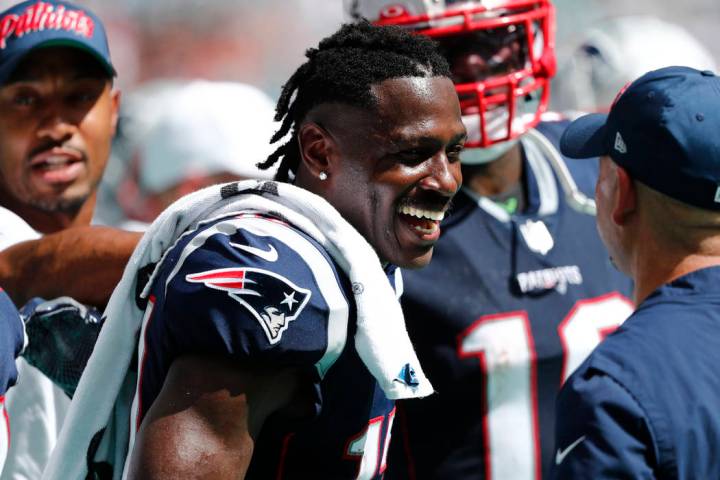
<point>273,343</point>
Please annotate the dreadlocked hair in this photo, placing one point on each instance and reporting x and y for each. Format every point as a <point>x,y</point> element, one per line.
<point>343,69</point>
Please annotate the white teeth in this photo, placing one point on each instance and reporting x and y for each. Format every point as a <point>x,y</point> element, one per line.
<point>420,213</point>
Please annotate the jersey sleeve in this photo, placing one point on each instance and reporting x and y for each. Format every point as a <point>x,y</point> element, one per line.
<point>256,290</point>
<point>12,339</point>
<point>601,431</point>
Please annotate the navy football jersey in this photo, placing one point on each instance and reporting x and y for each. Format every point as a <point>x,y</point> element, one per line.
<point>254,289</point>
<point>509,306</point>
<point>645,403</point>
<point>12,340</point>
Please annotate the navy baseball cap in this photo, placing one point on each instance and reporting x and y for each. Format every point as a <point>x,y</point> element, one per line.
<point>35,24</point>
<point>664,129</point>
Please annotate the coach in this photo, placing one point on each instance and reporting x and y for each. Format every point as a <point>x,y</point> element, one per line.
<point>645,403</point>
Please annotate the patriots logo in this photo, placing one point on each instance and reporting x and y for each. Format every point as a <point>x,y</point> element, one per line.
<point>272,299</point>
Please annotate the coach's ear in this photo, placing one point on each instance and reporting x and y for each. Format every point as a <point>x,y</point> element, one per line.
<point>625,196</point>
<point>315,145</point>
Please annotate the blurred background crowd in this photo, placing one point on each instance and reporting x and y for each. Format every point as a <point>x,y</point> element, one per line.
<point>161,45</point>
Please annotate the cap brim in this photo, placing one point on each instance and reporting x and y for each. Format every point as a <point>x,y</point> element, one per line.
<point>12,62</point>
<point>585,137</point>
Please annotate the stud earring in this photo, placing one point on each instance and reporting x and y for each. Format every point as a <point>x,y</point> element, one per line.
<point>322,176</point>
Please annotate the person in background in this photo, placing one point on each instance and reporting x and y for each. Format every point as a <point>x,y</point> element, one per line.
<point>520,288</point>
<point>616,51</point>
<point>59,112</point>
<point>180,136</point>
<point>644,403</point>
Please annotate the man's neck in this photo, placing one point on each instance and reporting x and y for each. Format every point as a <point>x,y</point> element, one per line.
<point>653,260</point>
<point>498,177</point>
<point>51,222</point>
<point>651,274</point>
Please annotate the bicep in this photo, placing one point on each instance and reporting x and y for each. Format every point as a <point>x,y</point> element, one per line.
<point>205,420</point>
<point>601,432</point>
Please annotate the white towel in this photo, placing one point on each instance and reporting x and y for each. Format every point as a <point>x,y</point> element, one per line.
<point>106,389</point>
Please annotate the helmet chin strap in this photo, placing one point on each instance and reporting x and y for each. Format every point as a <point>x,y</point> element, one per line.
<point>577,200</point>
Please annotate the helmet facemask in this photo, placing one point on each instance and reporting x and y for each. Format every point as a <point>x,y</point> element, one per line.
<point>502,56</point>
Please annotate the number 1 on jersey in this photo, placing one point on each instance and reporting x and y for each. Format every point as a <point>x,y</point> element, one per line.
<point>503,344</point>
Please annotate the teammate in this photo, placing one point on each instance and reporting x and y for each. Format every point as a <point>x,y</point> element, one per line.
<point>12,339</point>
<point>520,289</point>
<point>644,404</point>
<point>615,52</point>
<point>273,343</point>
<point>59,110</point>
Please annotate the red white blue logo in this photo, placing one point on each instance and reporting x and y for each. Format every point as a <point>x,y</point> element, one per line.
<point>272,299</point>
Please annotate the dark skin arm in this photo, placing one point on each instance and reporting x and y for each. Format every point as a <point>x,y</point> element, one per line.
<point>204,422</point>
<point>85,263</point>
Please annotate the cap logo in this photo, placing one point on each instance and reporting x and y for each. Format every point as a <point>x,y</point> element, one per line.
<point>620,143</point>
<point>44,16</point>
<point>717,195</point>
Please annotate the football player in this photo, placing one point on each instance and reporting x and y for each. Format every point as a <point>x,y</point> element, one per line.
<point>520,289</point>
<point>270,331</point>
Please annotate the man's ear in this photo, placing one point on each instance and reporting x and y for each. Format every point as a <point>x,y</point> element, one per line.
<point>115,99</point>
<point>625,196</point>
<point>316,148</point>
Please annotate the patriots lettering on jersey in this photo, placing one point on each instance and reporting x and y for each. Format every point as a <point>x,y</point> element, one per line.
<point>558,278</point>
<point>272,299</point>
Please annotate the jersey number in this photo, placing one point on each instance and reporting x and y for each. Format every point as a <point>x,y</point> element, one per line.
<point>504,345</point>
<point>370,449</point>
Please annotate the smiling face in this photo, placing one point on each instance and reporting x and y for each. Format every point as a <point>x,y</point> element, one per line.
<point>394,169</point>
<point>58,116</point>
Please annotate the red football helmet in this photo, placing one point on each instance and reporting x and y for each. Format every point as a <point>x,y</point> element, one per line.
<point>501,54</point>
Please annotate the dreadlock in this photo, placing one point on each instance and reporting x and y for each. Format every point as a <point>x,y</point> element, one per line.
<point>343,69</point>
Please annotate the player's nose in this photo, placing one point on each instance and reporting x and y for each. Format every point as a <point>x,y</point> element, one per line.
<point>444,176</point>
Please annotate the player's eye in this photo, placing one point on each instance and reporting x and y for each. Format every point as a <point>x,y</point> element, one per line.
<point>453,152</point>
<point>413,155</point>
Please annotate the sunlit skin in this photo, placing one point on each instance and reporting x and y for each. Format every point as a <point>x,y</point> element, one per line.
<point>404,153</point>
<point>606,193</point>
<point>59,113</point>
